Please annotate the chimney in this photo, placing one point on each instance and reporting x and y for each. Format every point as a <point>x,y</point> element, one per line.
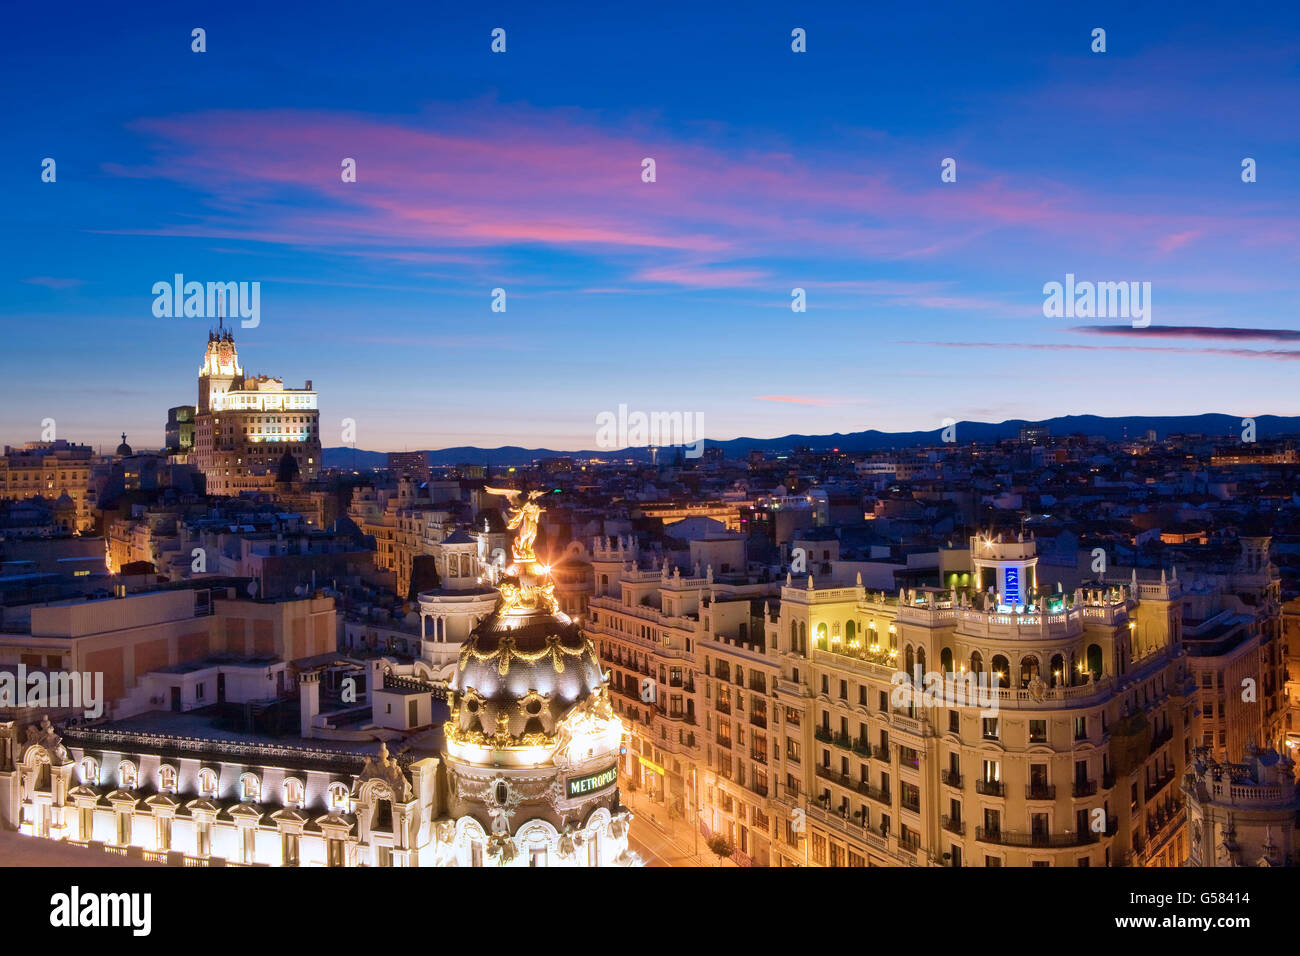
<point>308,700</point>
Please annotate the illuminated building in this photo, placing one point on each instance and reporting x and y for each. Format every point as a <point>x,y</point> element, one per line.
<point>767,714</point>
<point>1242,814</point>
<point>179,434</point>
<point>51,470</point>
<point>245,425</point>
<point>532,743</point>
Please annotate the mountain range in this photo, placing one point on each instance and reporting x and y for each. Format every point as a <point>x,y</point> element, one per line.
<point>871,440</point>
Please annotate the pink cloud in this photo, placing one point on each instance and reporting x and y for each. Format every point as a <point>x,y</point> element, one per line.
<point>793,400</point>
<point>486,176</point>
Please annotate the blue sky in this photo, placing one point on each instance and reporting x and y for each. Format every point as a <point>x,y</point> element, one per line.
<point>774,170</point>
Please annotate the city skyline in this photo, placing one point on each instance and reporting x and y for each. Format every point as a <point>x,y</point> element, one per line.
<point>775,170</point>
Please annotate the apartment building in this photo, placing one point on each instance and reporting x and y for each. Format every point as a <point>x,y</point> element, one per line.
<point>785,718</point>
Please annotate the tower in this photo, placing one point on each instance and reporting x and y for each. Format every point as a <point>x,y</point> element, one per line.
<point>532,744</point>
<point>220,370</point>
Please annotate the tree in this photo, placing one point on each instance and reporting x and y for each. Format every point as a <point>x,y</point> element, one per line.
<point>721,847</point>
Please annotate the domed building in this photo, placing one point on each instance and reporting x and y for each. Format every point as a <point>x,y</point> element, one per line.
<point>532,744</point>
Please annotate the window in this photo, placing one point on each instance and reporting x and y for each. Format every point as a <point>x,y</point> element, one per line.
<point>87,822</point>
<point>954,722</point>
<point>338,797</point>
<point>203,838</point>
<point>293,791</point>
<point>990,728</point>
<point>250,788</point>
<point>207,783</point>
<point>163,833</point>
<point>123,827</point>
<point>248,847</point>
<point>167,779</point>
<point>89,771</point>
<point>1038,731</point>
<point>126,775</point>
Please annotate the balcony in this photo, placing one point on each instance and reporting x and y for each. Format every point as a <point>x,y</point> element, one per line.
<point>757,719</point>
<point>842,740</point>
<point>1084,788</point>
<point>758,757</point>
<point>951,778</point>
<point>953,826</point>
<point>861,786</point>
<point>823,734</point>
<point>723,741</point>
<point>1042,840</point>
<point>723,706</point>
<point>1160,784</point>
<point>913,805</point>
<point>882,754</point>
<point>990,788</point>
<point>861,747</point>
<point>1040,791</point>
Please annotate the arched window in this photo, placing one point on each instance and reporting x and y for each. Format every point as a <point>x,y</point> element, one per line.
<point>293,792</point>
<point>464,565</point>
<point>910,661</point>
<point>207,783</point>
<point>850,631</point>
<point>803,638</point>
<point>338,797</point>
<point>167,779</point>
<point>1059,675</point>
<point>920,659</point>
<point>945,660</point>
<point>1002,667</point>
<point>126,775</point>
<point>1094,660</point>
<point>821,635</point>
<point>250,788</point>
<point>976,662</point>
<point>89,770</point>
<point>1028,669</point>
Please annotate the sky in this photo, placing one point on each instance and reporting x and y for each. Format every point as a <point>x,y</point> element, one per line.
<point>774,170</point>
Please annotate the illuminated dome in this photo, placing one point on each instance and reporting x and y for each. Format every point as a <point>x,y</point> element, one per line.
<point>521,673</point>
<point>527,683</point>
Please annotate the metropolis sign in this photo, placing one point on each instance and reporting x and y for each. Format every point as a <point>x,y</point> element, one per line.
<point>590,783</point>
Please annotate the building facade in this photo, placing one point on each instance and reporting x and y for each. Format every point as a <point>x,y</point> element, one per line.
<point>245,426</point>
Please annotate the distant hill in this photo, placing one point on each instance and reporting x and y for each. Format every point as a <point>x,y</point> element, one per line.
<point>1132,426</point>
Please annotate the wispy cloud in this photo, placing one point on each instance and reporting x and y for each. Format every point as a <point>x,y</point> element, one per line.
<point>52,282</point>
<point>1285,355</point>
<point>1192,332</point>
<point>464,177</point>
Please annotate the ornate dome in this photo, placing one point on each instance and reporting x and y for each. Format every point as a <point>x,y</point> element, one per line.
<point>521,673</point>
<point>124,450</point>
<point>527,669</point>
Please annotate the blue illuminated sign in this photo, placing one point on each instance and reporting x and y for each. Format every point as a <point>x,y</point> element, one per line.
<point>1011,590</point>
